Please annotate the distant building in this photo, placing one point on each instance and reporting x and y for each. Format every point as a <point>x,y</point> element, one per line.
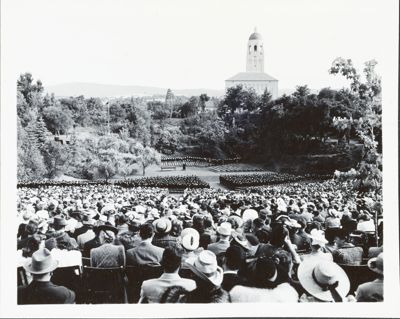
<point>255,77</point>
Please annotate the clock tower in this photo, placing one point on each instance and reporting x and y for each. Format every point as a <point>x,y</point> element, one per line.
<point>255,53</point>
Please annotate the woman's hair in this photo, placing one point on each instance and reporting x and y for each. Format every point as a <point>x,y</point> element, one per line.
<point>278,235</point>
<point>32,245</point>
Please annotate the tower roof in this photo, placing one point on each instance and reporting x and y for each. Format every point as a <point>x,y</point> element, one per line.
<point>255,36</point>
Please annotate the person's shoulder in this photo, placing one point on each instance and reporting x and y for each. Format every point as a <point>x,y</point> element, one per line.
<point>188,284</point>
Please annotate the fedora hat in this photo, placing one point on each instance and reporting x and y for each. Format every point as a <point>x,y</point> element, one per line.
<point>205,266</point>
<point>249,214</point>
<point>98,229</point>
<point>162,225</point>
<point>58,221</point>
<point>190,238</point>
<point>41,263</point>
<point>225,229</point>
<point>376,264</point>
<point>325,280</point>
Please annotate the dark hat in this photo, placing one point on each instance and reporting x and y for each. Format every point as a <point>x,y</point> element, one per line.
<point>98,229</point>
<point>58,220</point>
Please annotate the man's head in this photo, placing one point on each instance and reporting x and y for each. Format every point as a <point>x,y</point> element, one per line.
<point>146,231</point>
<point>171,260</point>
<point>234,257</point>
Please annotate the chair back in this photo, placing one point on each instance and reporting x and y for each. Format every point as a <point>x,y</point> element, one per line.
<point>136,275</point>
<point>69,277</point>
<point>358,274</point>
<point>86,261</point>
<point>22,279</point>
<point>103,285</point>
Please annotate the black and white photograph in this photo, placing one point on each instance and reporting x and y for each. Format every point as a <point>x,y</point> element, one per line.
<point>238,153</point>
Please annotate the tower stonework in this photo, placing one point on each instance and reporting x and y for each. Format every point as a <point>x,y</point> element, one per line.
<point>254,78</point>
<point>255,53</point>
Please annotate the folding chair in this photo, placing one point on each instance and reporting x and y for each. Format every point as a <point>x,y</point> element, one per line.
<point>358,274</point>
<point>136,275</point>
<point>103,285</point>
<point>22,279</point>
<point>71,278</point>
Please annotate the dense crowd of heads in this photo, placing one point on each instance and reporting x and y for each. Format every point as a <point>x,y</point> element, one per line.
<point>259,244</point>
<point>269,178</point>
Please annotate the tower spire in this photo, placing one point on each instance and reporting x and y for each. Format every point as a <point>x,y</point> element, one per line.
<point>255,29</point>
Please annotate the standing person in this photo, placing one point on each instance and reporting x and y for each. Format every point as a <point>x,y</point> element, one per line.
<point>41,290</point>
<point>373,290</point>
<point>153,289</point>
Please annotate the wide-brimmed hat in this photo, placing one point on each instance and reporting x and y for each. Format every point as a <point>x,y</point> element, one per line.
<point>332,223</point>
<point>58,221</point>
<point>162,225</point>
<point>325,280</point>
<point>41,263</point>
<point>241,240</point>
<point>225,229</point>
<point>317,237</point>
<point>205,266</point>
<point>376,264</point>
<point>105,228</point>
<point>249,214</point>
<point>190,238</point>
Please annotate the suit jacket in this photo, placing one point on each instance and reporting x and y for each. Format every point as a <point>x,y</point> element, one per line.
<point>144,254</point>
<point>219,247</point>
<point>153,289</point>
<point>38,292</point>
<point>89,245</point>
<point>370,291</point>
<point>348,255</point>
<point>107,255</point>
<point>231,279</point>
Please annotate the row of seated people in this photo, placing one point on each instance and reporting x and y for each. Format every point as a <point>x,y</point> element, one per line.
<point>275,268</point>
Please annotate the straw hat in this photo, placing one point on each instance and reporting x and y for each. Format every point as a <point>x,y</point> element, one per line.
<point>190,238</point>
<point>225,229</point>
<point>317,236</point>
<point>205,266</point>
<point>323,279</point>
<point>41,263</point>
<point>162,225</point>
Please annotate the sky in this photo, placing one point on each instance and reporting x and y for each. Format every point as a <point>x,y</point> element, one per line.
<point>188,44</point>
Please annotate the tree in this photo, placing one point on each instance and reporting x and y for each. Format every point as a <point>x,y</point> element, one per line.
<point>190,108</point>
<point>367,97</point>
<point>237,97</point>
<point>302,91</point>
<point>58,120</point>
<point>169,102</point>
<point>27,88</point>
<point>202,100</point>
<point>145,155</point>
<point>266,97</point>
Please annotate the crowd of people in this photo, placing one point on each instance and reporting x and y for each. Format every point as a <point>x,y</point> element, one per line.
<point>288,243</point>
<point>268,178</point>
<point>171,182</point>
<point>196,161</point>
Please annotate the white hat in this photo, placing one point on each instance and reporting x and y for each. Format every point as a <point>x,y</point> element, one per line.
<point>318,237</point>
<point>162,225</point>
<point>249,214</point>
<point>321,278</point>
<point>225,229</point>
<point>190,238</point>
<point>205,266</point>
